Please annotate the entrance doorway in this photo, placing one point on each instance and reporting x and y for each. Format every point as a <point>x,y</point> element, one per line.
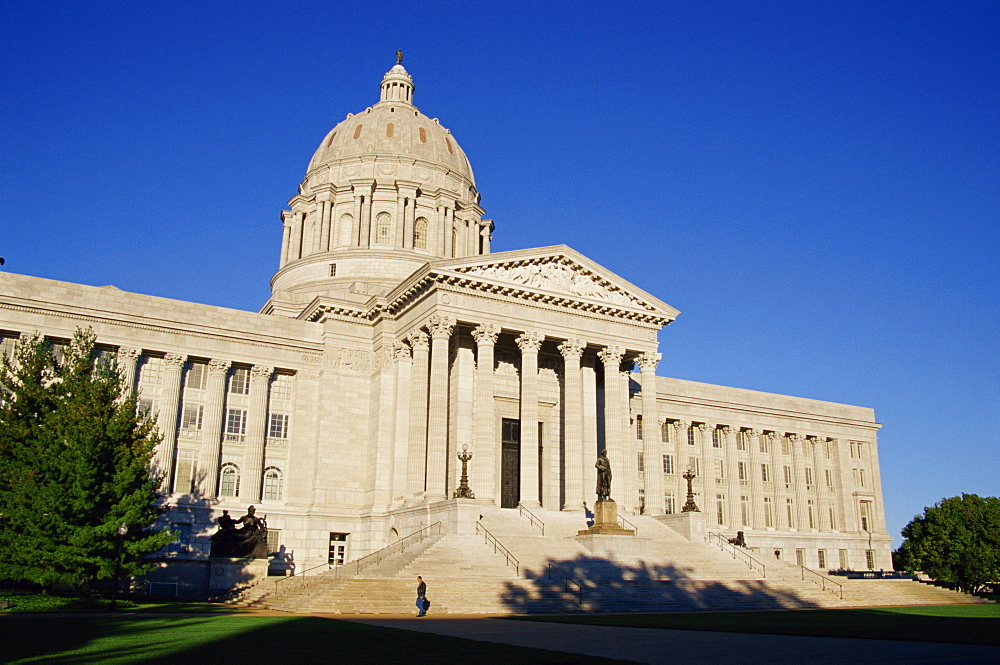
<point>510,463</point>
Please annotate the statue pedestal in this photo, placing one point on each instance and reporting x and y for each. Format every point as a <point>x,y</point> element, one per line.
<point>227,573</point>
<point>606,521</point>
<point>691,526</point>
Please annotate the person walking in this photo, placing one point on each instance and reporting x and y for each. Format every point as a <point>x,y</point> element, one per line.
<point>421,596</point>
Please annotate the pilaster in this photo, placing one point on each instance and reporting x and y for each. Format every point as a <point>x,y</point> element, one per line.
<point>211,440</point>
<point>529,343</point>
<point>253,456</point>
<point>173,365</point>
<point>652,450</point>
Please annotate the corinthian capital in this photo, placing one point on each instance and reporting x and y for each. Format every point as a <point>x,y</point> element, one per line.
<point>218,366</point>
<point>418,339</point>
<point>174,361</point>
<point>530,341</point>
<point>441,326</point>
<point>486,334</point>
<point>572,349</point>
<point>128,355</point>
<point>647,361</point>
<point>611,355</point>
<point>399,351</point>
<point>261,372</point>
<point>682,424</point>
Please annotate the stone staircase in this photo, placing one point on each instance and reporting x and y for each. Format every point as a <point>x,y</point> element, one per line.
<point>658,571</point>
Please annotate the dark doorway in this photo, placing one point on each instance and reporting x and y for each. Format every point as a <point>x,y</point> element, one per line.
<point>510,463</point>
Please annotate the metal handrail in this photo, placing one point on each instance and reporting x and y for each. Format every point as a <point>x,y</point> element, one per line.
<point>396,547</point>
<point>737,553</point>
<point>498,548</point>
<point>567,580</point>
<point>625,524</point>
<point>531,517</point>
<point>823,580</point>
<point>299,576</point>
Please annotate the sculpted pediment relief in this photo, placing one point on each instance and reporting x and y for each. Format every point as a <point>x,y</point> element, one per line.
<point>557,275</point>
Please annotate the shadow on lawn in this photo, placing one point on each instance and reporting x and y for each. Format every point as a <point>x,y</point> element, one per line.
<point>613,587</point>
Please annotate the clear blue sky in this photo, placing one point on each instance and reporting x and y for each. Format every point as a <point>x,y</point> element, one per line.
<point>816,186</point>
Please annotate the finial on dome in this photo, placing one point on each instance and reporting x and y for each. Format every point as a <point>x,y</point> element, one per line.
<point>399,57</point>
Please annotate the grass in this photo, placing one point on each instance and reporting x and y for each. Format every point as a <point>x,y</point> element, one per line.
<point>27,601</point>
<point>208,638</point>
<point>958,624</point>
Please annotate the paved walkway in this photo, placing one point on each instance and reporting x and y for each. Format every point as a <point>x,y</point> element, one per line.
<point>648,645</point>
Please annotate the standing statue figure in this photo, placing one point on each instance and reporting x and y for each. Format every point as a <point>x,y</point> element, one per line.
<point>603,477</point>
<point>399,57</point>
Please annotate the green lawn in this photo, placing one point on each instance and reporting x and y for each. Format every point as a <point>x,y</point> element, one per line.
<point>964,624</point>
<point>45,638</point>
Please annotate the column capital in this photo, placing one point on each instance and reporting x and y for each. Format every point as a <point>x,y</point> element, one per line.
<point>440,326</point>
<point>611,355</point>
<point>261,372</point>
<point>174,360</point>
<point>772,434</point>
<point>216,366</point>
<point>399,351</point>
<point>572,349</point>
<point>753,431</point>
<point>128,354</point>
<point>682,424</point>
<point>486,334</point>
<point>792,436</point>
<point>530,341</point>
<point>726,429</point>
<point>418,339</point>
<point>647,361</point>
<point>702,427</point>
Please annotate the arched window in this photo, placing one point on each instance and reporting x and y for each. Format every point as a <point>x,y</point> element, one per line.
<point>383,228</point>
<point>272,483</point>
<point>230,485</point>
<point>420,233</point>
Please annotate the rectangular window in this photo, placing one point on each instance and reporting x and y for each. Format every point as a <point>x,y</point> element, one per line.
<point>720,470</point>
<point>665,432</point>
<point>338,549</point>
<point>194,378</point>
<point>640,463</point>
<point>668,464</point>
<point>717,435</point>
<point>333,270</point>
<point>191,416</point>
<point>821,558</point>
<point>809,478</point>
<point>239,381</point>
<point>184,471</point>
<point>720,509</point>
<point>765,472</point>
<point>870,559</point>
<point>826,449</point>
<point>150,370</point>
<point>741,468</point>
<point>745,510</point>
<point>277,427</point>
<point>693,465</point>
<point>765,443</point>
<point>273,541</point>
<point>800,557</point>
<point>182,537</point>
<point>842,555</point>
<point>236,422</point>
<point>786,446</point>
<point>669,503</point>
<point>691,435</point>
<point>768,512</point>
<point>811,510</point>
<point>829,479</point>
<point>281,387</point>
<point>146,408</point>
<point>788,477</point>
<point>861,477</point>
<point>790,512</point>
<point>833,519</point>
<point>741,440</point>
<point>866,515</point>
<point>638,427</point>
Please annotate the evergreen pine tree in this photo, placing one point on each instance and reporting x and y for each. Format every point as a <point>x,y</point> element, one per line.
<point>74,465</point>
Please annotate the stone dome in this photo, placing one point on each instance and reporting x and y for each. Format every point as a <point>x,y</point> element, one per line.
<point>394,129</point>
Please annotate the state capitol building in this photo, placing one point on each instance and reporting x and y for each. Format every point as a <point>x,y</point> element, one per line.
<point>394,340</point>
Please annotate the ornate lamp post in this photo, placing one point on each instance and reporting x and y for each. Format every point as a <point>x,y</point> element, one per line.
<point>463,491</point>
<point>690,506</point>
<point>122,530</point>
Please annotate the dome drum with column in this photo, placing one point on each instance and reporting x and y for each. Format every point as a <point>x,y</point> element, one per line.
<point>387,190</point>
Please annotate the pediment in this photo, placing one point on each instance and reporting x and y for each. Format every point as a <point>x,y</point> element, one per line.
<point>560,271</point>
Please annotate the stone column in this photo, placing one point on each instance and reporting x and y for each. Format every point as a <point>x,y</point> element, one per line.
<point>615,424</point>
<point>173,366</point>
<point>529,343</point>
<point>127,359</point>
<point>286,236</point>
<point>462,409</point>
<point>252,472</point>
<point>681,455</point>
<point>588,452</point>
<point>485,443</point>
<point>323,237</point>
<point>356,226</point>
<point>572,353</point>
<point>211,439</point>
<point>366,221</point>
<point>416,473</point>
<point>401,467</point>
<point>440,328</point>
<point>732,477</point>
<point>297,222</point>
<point>756,481</point>
<point>652,451</point>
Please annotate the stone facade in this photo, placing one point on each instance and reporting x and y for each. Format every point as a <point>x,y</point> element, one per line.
<point>394,337</point>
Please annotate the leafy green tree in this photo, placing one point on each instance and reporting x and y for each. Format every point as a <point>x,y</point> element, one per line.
<point>74,465</point>
<point>956,540</point>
